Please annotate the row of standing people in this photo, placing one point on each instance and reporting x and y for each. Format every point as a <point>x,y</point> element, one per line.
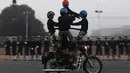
<point>32,49</point>
<point>23,49</point>
<point>111,46</point>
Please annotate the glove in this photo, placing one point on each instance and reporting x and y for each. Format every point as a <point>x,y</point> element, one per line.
<point>17,42</point>
<point>5,45</point>
<point>25,42</point>
<point>37,46</point>
<point>31,48</point>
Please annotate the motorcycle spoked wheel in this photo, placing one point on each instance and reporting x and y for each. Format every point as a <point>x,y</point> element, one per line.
<point>96,62</point>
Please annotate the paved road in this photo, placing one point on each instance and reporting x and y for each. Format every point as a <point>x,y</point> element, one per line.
<point>36,67</point>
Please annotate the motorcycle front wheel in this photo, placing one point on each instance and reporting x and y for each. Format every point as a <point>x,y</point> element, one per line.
<point>92,65</point>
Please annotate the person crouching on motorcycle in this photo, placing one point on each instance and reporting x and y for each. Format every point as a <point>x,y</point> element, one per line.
<point>84,25</point>
<point>83,30</point>
<point>51,27</point>
<point>49,44</point>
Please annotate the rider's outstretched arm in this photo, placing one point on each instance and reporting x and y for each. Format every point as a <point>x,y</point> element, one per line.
<point>72,12</point>
<point>56,24</point>
<point>77,23</point>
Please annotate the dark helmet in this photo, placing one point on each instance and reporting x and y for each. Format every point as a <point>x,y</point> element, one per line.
<point>98,38</point>
<point>33,37</point>
<point>88,38</point>
<point>105,37</point>
<point>83,13</point>
<point>120,37</point>
<point>14,38</point>
<point>112,37</point>
<point>126,36</point>
<point>65,3</point>
<point>50,14</point>
<point>38,36</point>
<point>7,37</point>
<point>63,11</point>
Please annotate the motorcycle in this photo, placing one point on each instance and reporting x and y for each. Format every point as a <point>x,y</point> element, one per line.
<point>59,63</point>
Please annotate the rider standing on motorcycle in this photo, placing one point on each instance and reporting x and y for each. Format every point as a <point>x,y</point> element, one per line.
<point>64,25</point>
<point>73,14</point>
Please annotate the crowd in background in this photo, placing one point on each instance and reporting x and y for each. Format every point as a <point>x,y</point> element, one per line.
<point>23,48</point>
<point>32,48</point>
<point>112,46</point>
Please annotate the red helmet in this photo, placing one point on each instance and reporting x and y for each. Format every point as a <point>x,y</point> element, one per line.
<point>65,3</point>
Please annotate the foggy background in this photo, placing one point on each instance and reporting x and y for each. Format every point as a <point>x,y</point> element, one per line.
<point>116,13</point>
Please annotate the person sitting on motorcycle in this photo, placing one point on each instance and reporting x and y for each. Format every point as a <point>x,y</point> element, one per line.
<point>84,25</point>
<point>65,4</point>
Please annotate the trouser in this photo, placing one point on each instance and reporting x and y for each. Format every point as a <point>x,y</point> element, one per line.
<point>7,50</point>
<point>113,51</point>
<point>20,50</point>
<point>52,38</point>
<point>80,39</point>
<point>65,33</point>
<point>120,51</point>
<point>26,51</point>
<point>127,50</point>
<point>81,35</point>
<point>66,45</point>
<point>14,51</point>
<point>32,50</point>
<point>64,42</point>
<point>107,50</point>
<point>99,51</point>
<point>90,50</point>
<point>45,54</point>
<point>39,51</point>
<point>53,41</point>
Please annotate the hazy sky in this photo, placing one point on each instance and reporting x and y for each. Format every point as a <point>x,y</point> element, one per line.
<point>115,12</point>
